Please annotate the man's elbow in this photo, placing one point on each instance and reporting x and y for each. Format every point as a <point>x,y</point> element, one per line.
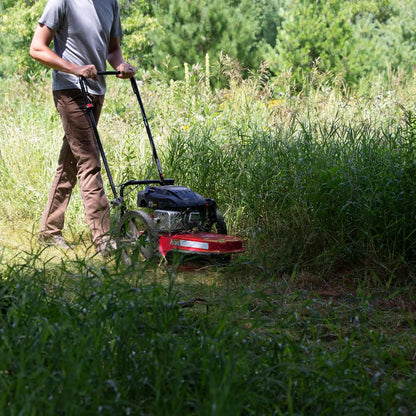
<point>34,52</point>
<point>40,42</point>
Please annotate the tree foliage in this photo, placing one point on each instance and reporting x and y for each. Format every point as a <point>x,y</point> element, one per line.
<point>189,30</point>
<point>138,21</point>
<point>18,19</point>
<point>330,36</point>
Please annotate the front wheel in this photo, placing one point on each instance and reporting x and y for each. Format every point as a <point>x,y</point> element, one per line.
<point>136,237</point>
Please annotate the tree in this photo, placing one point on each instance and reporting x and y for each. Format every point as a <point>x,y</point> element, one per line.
<point>18,21</point>
<point>189,30</point>
<point>138,21</point>
<point>330,36</point>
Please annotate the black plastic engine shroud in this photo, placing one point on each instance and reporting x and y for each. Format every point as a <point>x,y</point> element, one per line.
<point>172,197</point>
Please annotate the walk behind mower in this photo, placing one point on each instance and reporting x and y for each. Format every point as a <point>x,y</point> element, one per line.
<point>169,218</point>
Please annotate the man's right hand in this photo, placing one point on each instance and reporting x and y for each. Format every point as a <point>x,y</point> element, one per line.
<point>87,71</point>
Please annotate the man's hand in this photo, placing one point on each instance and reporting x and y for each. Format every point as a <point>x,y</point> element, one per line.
<point>126,70</point>
<point>87,71</point>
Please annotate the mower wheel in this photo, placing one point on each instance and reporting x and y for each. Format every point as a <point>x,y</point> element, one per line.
<point>136,237</point>
<point>218,225</point>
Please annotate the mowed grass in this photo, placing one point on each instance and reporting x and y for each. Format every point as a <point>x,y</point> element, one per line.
<point>317,317</point>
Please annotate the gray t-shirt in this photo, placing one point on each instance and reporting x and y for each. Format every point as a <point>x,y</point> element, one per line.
<point>83,29</point>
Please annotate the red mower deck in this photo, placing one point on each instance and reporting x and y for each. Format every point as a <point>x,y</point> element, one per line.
<point>201,243</point>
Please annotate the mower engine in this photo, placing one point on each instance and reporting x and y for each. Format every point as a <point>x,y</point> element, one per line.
<point>178,208</point>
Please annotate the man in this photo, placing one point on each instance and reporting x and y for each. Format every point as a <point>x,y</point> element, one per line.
<point>85,34</point>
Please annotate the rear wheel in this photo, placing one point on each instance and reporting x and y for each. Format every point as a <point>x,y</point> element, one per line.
<point>136,237</point>
<point>217,225</point>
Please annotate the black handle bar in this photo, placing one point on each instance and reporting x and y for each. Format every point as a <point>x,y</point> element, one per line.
<point>108,72</point>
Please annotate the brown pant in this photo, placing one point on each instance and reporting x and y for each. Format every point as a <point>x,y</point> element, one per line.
<point>79,158</point>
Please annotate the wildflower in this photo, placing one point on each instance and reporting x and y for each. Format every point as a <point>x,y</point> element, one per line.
<point>276,103</point>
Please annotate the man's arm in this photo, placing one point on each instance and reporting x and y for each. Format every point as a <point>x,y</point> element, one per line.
<point>40,50</point>
<point>115,59</point>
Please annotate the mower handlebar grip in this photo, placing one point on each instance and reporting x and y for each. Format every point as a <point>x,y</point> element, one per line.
<point>108,72</point>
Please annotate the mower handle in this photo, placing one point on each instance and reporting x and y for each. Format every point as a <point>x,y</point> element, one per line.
<point>108,72</point>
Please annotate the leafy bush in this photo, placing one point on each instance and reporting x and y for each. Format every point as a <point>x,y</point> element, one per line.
<point>18,20</point>
<point>138,21</point>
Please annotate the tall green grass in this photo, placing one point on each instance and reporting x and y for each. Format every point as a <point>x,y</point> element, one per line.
<point>339,197</point>
<point>81,338</point>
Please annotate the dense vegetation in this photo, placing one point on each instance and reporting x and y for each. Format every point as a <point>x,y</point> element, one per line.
<point>79,339</point>
<point>299,118</point>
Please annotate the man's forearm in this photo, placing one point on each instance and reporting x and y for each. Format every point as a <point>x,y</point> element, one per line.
<point>115,58</point>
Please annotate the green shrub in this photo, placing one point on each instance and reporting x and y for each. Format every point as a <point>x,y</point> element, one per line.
<point>349,39</point>
<point>189,31</point>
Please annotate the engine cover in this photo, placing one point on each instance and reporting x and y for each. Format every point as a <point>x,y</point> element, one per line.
<point>171,197</point>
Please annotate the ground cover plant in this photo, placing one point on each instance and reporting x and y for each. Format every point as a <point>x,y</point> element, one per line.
<point>317,317</point>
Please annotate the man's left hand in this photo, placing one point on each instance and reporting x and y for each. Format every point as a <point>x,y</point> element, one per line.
<point>126,70</point>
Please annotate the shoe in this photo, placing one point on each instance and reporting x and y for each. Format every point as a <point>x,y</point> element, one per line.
<point>54,241</point>
<point>106,247</point>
